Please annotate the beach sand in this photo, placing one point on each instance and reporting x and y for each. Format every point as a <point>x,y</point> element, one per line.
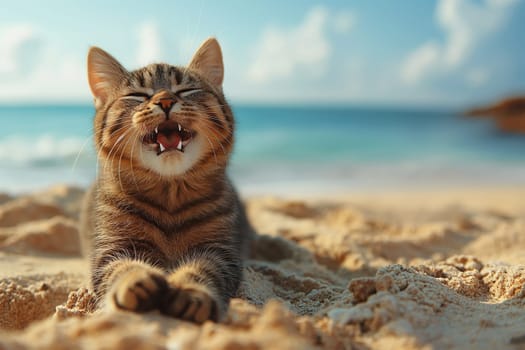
<point>413,270</point>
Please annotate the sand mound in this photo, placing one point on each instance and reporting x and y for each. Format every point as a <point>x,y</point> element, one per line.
<point>323,274</point>
<point>30,298</point>
<point>57,235</point>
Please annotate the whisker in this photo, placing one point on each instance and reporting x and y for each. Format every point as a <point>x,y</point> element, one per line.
<point>120,161</point>
<point>112,158</point>
<point>136,134</point>
<point>119,139</point>
<point>122,123</point>
<point>141,155</point>
<point>213,150</point>
<point>79,152</point>
<point>210,130</point>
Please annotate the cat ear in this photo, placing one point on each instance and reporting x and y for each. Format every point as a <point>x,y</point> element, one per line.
<point>208,61</point>
<point>105,73</point>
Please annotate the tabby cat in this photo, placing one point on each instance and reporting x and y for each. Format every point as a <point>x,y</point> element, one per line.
<point>165,228</point>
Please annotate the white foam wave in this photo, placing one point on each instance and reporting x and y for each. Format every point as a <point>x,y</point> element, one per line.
<point>45,150</point>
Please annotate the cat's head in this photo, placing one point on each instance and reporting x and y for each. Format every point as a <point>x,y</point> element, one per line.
<point>165,119</point>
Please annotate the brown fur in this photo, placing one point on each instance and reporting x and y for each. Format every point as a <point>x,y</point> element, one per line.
<point>172,242</point>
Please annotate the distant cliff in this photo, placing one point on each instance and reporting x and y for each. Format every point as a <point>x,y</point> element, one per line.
<point>509,114</point>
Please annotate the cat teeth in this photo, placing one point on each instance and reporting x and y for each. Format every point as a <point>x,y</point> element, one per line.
<point>178,126</point>
<point>162,148</point>
<point>179,146</point>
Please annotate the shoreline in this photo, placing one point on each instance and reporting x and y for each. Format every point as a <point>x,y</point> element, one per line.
<point>301,182</point>
<point>336,192</point>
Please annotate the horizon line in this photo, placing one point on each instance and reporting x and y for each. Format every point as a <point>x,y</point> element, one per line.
<point>271,104</point>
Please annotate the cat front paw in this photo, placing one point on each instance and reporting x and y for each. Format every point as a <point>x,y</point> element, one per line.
<point>190,304</point>
<point>139,290</point>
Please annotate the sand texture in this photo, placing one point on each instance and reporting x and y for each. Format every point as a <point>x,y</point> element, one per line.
<point>442,270</point>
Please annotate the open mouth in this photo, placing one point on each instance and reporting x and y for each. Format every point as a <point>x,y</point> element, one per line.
<point>169,136</point>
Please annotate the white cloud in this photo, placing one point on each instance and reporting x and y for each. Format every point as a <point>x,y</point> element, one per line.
<point>466,24</point>
<point>149,48</point>
<point>19,45</point>
<point>417,63</point>
<point>57,77</point>
<point>477,77</point>
<point>33,69</point>
<point>343,22</point>
<point>306,48</point>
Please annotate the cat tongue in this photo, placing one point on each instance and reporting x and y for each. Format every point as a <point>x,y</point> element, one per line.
<point>171,140</point>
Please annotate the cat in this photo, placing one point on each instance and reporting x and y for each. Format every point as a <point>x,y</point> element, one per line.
<point>163,224</point>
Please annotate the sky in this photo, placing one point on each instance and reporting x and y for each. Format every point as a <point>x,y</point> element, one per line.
<point>368,52</point>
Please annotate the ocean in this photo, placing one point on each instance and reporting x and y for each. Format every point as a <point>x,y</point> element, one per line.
<point>314,150</point>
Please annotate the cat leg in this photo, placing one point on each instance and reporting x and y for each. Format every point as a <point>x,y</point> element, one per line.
<point>202,285</point>
<point>131,285</point>
<point>126,273</point>
<point>138,288</point>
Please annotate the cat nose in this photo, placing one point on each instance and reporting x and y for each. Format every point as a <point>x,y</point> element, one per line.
<point>166,103</point>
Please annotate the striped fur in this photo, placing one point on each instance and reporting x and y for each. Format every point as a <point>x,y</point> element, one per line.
<point>164,231</point>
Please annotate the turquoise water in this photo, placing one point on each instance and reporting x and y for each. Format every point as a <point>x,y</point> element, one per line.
<point>312,149</point>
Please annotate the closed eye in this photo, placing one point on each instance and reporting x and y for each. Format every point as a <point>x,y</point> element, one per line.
<point>136,96</point>
<point>188,92</point>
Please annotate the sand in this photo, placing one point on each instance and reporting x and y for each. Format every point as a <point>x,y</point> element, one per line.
<point>412,270</point>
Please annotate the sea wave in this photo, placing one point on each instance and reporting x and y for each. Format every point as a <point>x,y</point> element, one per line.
<point>45,151</point>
